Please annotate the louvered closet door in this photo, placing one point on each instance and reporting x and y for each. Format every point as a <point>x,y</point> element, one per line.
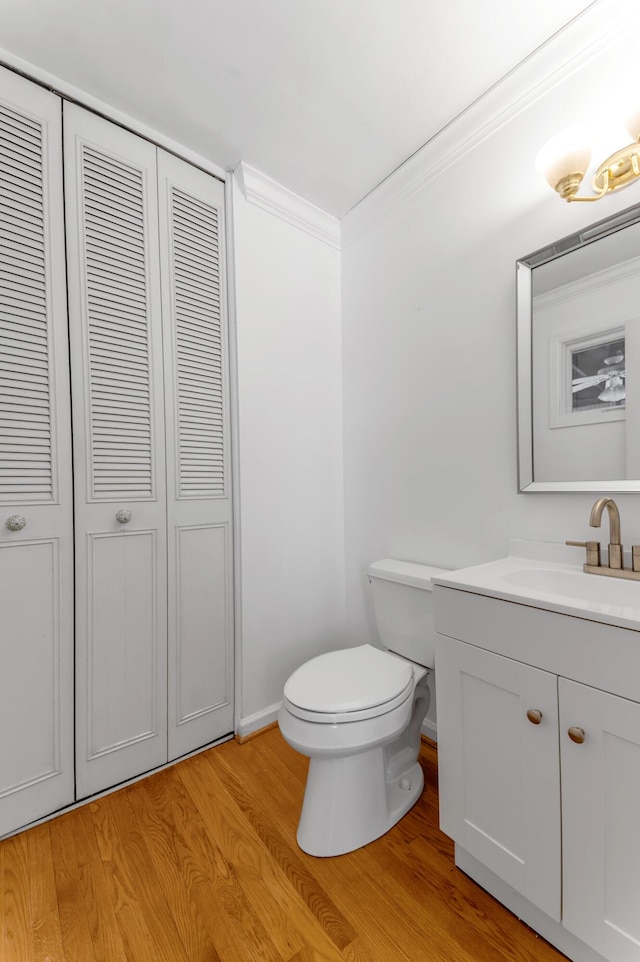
<point>200,631</point>
<point>36,546</point>
<point>116,350</point>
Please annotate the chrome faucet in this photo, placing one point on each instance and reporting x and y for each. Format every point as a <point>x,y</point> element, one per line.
<point>615,561</point>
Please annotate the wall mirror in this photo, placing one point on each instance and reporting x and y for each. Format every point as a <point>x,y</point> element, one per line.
<point>578,356</point>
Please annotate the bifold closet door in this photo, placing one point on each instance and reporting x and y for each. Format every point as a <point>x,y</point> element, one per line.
<point>118,428</point>
<point>36,536</point>
<point>200,636</point>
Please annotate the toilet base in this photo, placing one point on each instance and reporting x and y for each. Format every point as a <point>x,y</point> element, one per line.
<point>349,802</point>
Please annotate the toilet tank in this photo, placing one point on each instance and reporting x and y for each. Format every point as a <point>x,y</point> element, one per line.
<point>403,606</point>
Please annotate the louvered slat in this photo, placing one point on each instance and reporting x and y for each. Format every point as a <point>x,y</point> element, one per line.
<point>118,328</point>
<point>198,346</point>
<point>26,457</point>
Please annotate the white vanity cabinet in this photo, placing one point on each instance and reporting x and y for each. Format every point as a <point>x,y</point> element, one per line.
<point>539,767</point>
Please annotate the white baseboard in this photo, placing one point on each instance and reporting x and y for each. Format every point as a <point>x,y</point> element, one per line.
<point>253,723</point>
<point>430,730</point>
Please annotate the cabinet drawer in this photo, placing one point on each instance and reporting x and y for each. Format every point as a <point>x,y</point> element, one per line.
<point>589,652</point>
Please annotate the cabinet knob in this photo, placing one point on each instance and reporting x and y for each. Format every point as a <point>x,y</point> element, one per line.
<point>15,522</point>
<point>535,716</point>
<point>576,735</point>
<point>123,516</point>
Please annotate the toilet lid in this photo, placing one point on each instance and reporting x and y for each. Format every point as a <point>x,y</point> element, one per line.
<point>352,679</point>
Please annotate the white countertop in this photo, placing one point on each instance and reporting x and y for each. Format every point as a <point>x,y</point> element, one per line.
<point>550,576</point>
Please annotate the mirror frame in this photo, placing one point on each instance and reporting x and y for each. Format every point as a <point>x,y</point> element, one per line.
<point>524,322</point>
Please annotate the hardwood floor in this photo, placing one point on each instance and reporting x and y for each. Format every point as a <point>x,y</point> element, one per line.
<point>199,863</point>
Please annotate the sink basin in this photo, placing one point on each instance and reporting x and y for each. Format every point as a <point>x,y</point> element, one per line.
<point>576,584</point>
<point>551,577</point>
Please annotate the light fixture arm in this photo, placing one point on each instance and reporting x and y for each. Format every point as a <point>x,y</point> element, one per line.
<point>568,189</point>
<point>617,171</point>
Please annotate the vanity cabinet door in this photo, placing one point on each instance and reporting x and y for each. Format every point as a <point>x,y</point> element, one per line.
<point>600,806</point>
<point>499,775</point>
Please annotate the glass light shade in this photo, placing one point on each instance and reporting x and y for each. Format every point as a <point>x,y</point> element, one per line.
<point>608,135</point>
<point>567,153</point>
<point>614,390</point>
<point>632,123</point>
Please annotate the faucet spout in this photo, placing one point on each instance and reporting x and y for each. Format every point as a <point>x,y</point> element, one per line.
<point>615,548</point>
<point>614,518</point>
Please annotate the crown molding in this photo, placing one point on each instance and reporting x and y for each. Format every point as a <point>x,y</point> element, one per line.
<point>608,276</point>
<point>578,43</point>
<point>271,196</point>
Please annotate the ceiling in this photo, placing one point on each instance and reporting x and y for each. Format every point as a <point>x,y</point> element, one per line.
<point>327,97</point>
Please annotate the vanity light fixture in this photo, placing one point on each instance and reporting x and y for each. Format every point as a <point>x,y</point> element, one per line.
<point>564,161</point>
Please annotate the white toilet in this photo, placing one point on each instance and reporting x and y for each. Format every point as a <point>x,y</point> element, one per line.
<point>357,714</point>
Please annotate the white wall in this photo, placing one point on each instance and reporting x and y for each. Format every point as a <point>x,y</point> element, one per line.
<point>429,339</point>
<point>290,453</point>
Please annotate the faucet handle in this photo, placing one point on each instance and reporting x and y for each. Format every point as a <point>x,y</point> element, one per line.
<point>593,551</point>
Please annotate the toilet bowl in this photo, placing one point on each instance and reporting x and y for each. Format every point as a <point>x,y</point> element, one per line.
<point>357,713</point>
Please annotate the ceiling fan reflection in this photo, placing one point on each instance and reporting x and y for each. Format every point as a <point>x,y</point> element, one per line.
<point>612,377</point>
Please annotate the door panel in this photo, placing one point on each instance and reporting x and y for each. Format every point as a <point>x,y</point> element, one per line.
<point>202,562</point>
<point>36,575</point>
<point>499,774</point>
<point>200,636</point>
<point>116,349</point>
<point>601,801</point>
<point>122,643</point>
<point>36,757</point>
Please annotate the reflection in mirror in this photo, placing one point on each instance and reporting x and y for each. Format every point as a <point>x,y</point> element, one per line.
<point>579,361</point>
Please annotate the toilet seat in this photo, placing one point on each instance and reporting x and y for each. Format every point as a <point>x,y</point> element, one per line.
<point>349,685</point>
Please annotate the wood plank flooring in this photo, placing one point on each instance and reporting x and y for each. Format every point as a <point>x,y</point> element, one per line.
<point>199,863</point>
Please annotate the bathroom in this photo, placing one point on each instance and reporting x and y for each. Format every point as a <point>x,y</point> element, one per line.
<point>361,466</point>
<point>384,426</point>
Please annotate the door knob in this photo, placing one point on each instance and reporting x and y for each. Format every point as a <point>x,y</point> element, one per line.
<point>576,735</point>
<point>123,516</point>
<point>535,716</point>
<point>15,522</point>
